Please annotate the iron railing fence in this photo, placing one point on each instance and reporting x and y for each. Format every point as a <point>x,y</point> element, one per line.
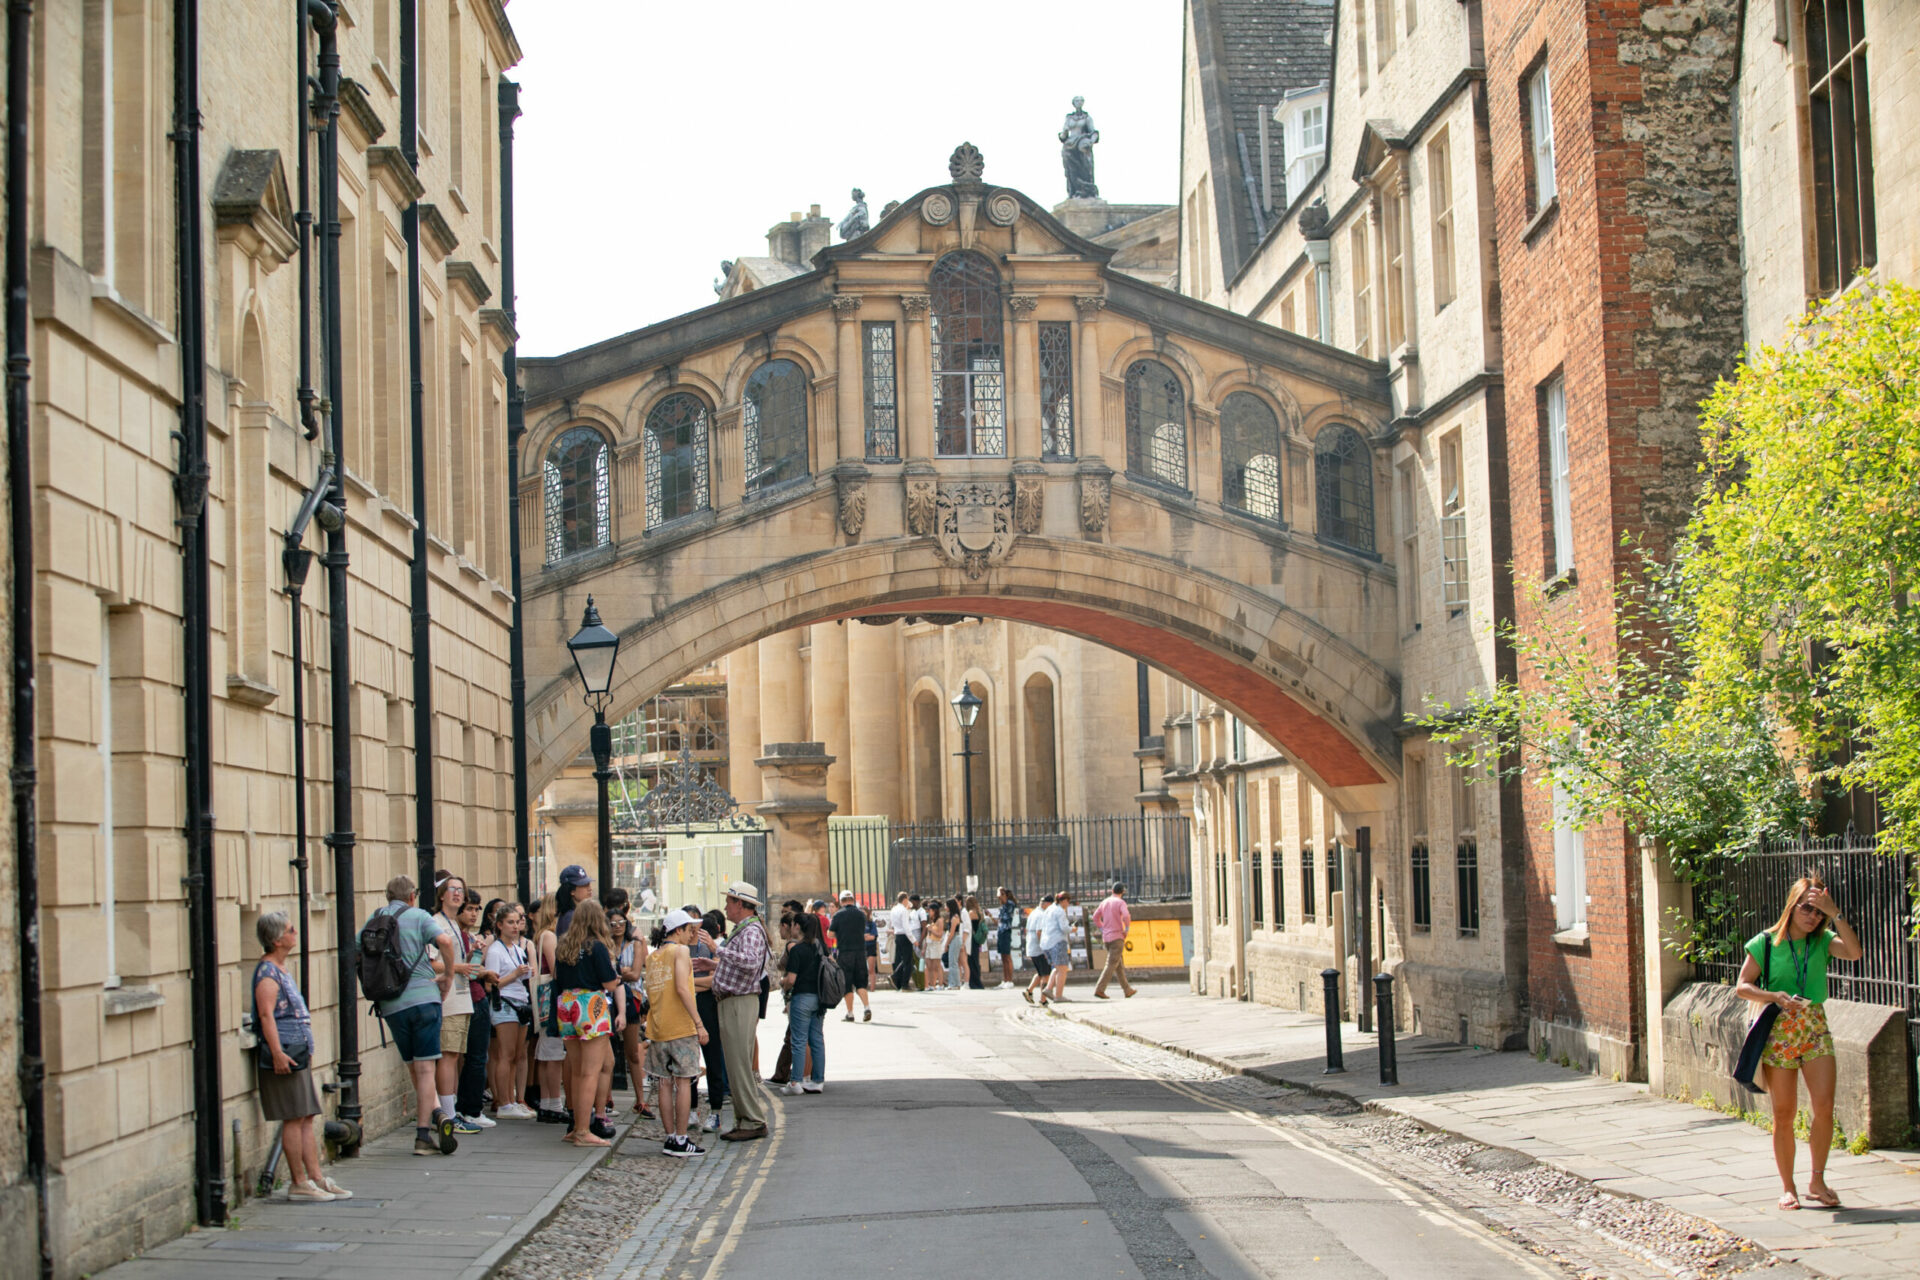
<point>1149,853</point>
<point>1736,897</point>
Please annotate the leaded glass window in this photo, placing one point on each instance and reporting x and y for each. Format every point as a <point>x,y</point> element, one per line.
<point>774,415</point>
<point>676,454</point>
<point>969,362</point>
<point>1250,455</point>
<point>1056,389</point>
<point>883,391</point>
<point>1156,424</point>
<point>1343,483</point>
<point>576,473</point>
<point>1420,877</point>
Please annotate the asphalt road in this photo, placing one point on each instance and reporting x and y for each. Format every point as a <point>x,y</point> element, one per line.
<point>965,1135</point>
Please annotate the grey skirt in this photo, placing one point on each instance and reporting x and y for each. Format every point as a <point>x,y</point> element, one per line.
<point>288,1097</point>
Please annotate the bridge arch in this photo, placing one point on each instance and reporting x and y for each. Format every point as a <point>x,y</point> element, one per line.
<point>1315,695</point>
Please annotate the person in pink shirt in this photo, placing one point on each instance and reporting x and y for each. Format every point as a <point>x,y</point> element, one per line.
<point>1113,918</point>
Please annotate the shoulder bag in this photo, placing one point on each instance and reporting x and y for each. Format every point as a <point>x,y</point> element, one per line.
<point>1756,1042</point>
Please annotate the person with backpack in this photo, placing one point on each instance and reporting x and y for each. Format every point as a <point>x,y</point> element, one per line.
<point>850,927</point>
<point>396,945</point>
<point>806,962</point>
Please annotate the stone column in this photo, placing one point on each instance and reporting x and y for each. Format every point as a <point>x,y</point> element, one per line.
<point>873,714</point>
<point>793,776</point>
<point>830,706</point>
<point>1666,906</point>
<point>848,391</point>
<point>743,724</point>
<point>1024,383</point>
<point>782,716</point>
<point>1089,400</point>
<point>917,413</point>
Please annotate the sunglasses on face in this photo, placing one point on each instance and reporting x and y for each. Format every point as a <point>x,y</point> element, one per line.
<point>1808,906</point>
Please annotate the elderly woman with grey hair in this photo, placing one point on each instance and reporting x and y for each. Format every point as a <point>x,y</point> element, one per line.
<point>286,1061</point>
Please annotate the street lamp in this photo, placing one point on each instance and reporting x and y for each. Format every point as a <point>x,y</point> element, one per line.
<point>594,648</point>
<point>966,709</point>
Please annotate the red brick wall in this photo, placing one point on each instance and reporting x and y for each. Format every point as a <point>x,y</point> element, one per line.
<point>1631,291</point>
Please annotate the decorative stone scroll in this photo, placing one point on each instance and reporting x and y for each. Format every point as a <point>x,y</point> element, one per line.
<point>922,493</point>
<point>850,487</point>
<point>1029,502</point>
<point>1090,305</point>
<point>937,209</point>
<point>916,305</point>
<point>1096,493</point>
<point>1003,207</point>
<point>973,525</point>
<point>845,305</point>
<point>1023,304</point>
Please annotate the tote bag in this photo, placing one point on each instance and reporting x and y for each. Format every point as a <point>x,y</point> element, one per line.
<point>1749,1063</point>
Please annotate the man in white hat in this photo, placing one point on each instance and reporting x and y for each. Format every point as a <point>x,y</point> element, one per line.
<point>738,968</point>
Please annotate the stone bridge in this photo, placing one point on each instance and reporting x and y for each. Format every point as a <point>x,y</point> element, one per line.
<point>967,410</point>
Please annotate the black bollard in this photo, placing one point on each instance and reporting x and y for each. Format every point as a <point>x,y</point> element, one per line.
<point>1336,1061</point>
<point>1383,1008</point>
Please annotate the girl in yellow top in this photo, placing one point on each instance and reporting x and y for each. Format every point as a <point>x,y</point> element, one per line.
<point>674,1032</point>
<point>1808,934</point>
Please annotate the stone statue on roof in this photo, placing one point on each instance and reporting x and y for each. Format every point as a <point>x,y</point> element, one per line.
<point>726,273</point>
<point>1077,137</point>
<point>854,225</point>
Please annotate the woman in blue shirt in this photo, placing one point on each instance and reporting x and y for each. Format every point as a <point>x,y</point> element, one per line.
<point>1796,951</point>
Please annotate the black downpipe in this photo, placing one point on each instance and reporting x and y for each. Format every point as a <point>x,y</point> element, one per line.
<point>425,853</point>
<point>516,428</point>
<point>33,1066</point>
<point>190,494</point>
<point>303,231</point>
<point>295,560</point>
<point>340,839</point>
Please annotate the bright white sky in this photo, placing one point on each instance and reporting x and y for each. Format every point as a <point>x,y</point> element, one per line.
<point>660,136</point>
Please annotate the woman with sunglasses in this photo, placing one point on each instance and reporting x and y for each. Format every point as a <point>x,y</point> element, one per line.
<point>1795,953</point>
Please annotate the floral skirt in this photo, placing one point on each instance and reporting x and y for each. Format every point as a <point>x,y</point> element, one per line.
<point>585,1014</point>
<point>1797,1035</point>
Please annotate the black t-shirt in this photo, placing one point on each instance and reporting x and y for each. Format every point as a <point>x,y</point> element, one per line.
<point>803,962</point>
<point>850,931</point>
<point>592,969</point>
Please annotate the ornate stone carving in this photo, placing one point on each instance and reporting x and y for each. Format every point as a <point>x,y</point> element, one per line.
<point>973,525</point>
<point>1096,492</point>
<point>922,492</point>
<point>851,488</point>
<point>916,305</point>
<point>844,305</point>
<point>966,164</point>
<point>937,209</point>
<point>1077,137</point>
<point>1022,305</point>
<point>1029,499</point>
<point>1090,305</point>
<point>1003,207</point>
<point>854,225</point>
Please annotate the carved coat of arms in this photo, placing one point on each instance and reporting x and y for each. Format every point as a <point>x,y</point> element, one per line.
<point>973,525</point>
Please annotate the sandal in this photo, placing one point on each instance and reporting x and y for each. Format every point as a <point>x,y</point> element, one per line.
<point>591,1140</point>
<point>1788,1200</point>
<point>1827,1199</point>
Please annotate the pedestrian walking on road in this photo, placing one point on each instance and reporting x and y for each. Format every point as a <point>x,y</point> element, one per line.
<point>1786,966</point>
<point>510,1010</point>
<point>738,969</point>
<point>1053,938</point>
<point>286,1061</point>
<point>413,1015</point>
<point>850,929</point>
<point>674,1033</point>
<point>592,1013</point>
<point>806,1020</point>
<point>906,935</point>
<point>1113,918</point>
<point>1003,936</point>
<point>1037,954</point>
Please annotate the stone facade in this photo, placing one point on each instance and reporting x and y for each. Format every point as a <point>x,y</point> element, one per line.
<point>106,388</point>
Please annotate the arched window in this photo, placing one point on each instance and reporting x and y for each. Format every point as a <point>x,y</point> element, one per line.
<point>969,393</point>
<point>1343,483</point>
<point>1156,424</point>
<point>1250,455</point>
<point>676,449</point>
<point>775,413</point>
<point>1043,789</point>
<point>576,474</point>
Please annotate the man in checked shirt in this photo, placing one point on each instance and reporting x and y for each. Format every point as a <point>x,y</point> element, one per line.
<point>739,965</point>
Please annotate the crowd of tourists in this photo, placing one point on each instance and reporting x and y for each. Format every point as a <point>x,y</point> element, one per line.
<point>508,1011</point>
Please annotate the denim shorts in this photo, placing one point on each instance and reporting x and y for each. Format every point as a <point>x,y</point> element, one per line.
<point>1057,955</point>
<point>416,1032</point>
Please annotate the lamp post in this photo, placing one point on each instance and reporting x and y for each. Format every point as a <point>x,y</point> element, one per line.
<point>594,648</point>
<point>966,709</point>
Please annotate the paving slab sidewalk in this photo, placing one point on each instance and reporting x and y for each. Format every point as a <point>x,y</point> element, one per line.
<point>1615,1135</point>
<point>440,1218</point>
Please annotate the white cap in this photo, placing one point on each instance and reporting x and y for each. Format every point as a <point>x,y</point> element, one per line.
<point>846,895</point>
<point>676,919</point>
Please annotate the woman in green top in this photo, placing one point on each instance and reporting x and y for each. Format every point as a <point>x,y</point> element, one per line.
<point>1796,950</point>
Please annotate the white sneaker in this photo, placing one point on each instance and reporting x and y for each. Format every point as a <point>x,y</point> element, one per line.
<point>814,1087</point>
<point>481,1121</point>
<point>712,1124</point>
<point>515,1111</point>
<point>791,1089</point>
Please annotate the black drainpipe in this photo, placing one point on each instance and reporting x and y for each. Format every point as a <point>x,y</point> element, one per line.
<point>295,560</point>
<point>190,494</point>
<point>33,1067</point>
<point>303,230</point>
<point>339,638</point>
<point>516,428</point>
<point>424,852</point>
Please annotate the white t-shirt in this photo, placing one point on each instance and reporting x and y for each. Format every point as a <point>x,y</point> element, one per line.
<point>503,960</point>
<point>1035,919</point>
<point>459,996</point>
<point>1053,927</point>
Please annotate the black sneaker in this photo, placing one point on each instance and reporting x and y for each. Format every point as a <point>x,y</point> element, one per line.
<point>600,1128</point>
<point>681,1148</point>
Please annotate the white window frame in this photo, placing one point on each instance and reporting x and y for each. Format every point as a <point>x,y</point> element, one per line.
<point>1569,865</point>
<point>1560,475</point>
<point>1540,112</point>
